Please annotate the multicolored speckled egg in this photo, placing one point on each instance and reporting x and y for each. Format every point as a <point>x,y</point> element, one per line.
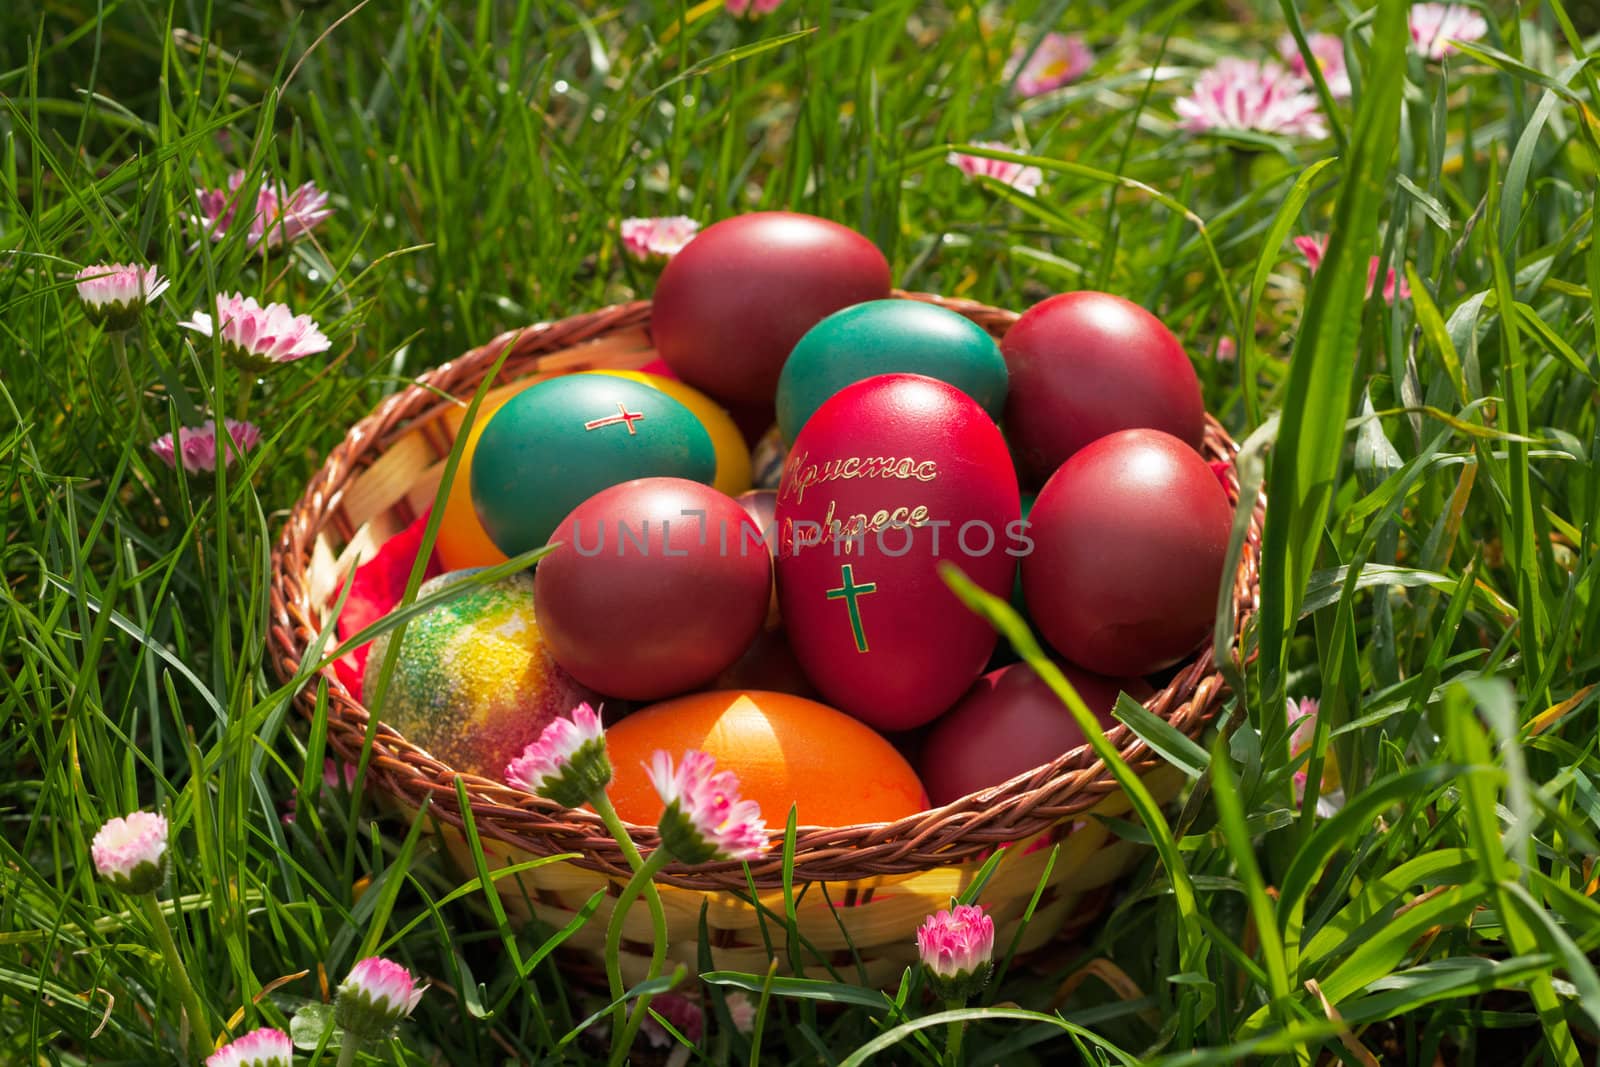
<point>473,683</point>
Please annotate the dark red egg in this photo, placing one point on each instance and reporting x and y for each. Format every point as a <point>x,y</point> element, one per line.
<point>1009,723</point>
<point>890,477</point>
<point>730,306</point>
<point>1086,364</point>
<point>658,585</point>
<point>1130,538</point>
<point>768,664</point>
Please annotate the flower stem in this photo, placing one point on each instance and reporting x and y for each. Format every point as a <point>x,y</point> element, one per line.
<point>349,1045</point>
<point>119,343</point>
<point>199,1029</point>
<point>623,1024</point>
<point>952,1044</point>
<point>652,898</point>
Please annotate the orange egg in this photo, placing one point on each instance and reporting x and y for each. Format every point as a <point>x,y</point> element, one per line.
<point>462,542</point>
<point>786,751</point>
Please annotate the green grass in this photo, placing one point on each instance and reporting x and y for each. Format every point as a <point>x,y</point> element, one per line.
<point>1431,568</point>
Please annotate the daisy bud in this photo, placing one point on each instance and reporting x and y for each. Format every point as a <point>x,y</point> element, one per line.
<point>705,821</point>
<point>259,338</point>
<point>115,294</point>
<point>131,852</point>
<point>956,946</point>
<point>375,996</point>
<point>196,446</point>
<point>265,1047</point>
<point>657,240</point>
<point>1024,179</point>
<point>568,764</point>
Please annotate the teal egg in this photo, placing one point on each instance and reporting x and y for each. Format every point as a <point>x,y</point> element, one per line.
<point>553,446</point>
<point>889,337</point>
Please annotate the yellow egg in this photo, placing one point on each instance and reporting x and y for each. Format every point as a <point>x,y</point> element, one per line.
<point>733,458</point>
<point>462,542</point>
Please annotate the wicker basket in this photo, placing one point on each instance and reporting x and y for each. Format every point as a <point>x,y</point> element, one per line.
<point>859,891</point>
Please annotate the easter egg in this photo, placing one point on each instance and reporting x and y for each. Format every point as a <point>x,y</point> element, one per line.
<point>473,682</point>
<point>462,542</point>
<point>768,663</point>
<point>890,477</point>
<point>556,444</point>
<point>657,585</point>
<point>1130,542</point>
<point>1007,724</point>
<point>1086,364</point>
<point>767,459</point>
<point>886,337</point>
<point>729,307</point>
<point>762,507</point>
<point>733,455</point>
<point>786,751</point>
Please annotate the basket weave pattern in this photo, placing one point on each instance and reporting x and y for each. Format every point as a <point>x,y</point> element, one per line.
<point>387,470</point>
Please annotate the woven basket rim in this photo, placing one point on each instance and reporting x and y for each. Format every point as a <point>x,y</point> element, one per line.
<point>965,830</point>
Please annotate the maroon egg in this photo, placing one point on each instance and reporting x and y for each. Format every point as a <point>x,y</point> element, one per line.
<point>658,585</point>
<point>768,664</point>
<point>890,477</point>
<point>762,507</point>
<point>730,306</point>
<point>1010,722</point>
<point>1130,538</point>
<point>1086,364</point>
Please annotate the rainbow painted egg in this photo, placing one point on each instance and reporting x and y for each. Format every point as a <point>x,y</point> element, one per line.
<point>473,682</point>
<point>551,447</point>
<point>892,476</point>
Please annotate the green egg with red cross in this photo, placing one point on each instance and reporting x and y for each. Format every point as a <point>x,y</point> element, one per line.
<point>891,478</point>
<point>553,446</point>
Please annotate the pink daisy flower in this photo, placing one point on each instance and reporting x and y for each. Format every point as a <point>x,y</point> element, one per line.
<point>1315,247</point>
<point>277,217</point>
<point>684,1013</point>
<point>265,1047</point>
<point>1059,59</point>
<point>1328,50</point>
<point>1434,26</point>
<point>1303,718</point>
<point>376,995</point>
<point>258,337</point>
<point>1249,96</point>
<point>956,946</point>
<point>116,293</point>
<point>1024,179</point>
<point>130,852</point>
<point>196,446</point>
<point>568,764</point>
<point>1227,350</point>
<point>742,1010</point>
<point>751,8</point>
<point>705,820</point>
<point>656,240</point>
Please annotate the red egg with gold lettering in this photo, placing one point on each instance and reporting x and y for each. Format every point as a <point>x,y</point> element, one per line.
<point>892,476</point>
